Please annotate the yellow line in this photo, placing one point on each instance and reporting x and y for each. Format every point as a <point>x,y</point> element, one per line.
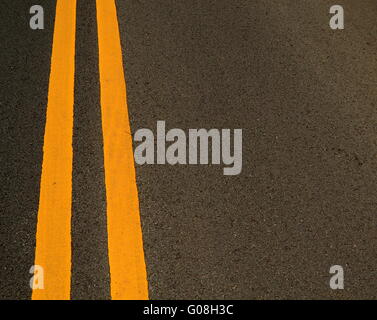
<point>125,244</point>
<point>53,239</point>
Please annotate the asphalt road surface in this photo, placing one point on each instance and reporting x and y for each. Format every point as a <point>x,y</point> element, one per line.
<point>304,95</point>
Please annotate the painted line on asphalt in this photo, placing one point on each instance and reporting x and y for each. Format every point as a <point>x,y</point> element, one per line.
<point>128,278</point>
<point>53,237</point>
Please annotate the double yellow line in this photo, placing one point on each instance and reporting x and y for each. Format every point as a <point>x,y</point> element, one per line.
<point>53,238</point>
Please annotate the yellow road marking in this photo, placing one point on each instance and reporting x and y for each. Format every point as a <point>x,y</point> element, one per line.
<point>53,238</point>
<point>125,243</point>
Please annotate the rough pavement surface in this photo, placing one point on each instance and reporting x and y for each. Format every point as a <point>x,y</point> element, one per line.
<point>306,99</point>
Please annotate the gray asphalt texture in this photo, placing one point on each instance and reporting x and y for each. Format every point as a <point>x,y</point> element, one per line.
<point>306,99</point>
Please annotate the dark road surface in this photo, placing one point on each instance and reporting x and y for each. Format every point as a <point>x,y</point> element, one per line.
<point>306,99</point>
